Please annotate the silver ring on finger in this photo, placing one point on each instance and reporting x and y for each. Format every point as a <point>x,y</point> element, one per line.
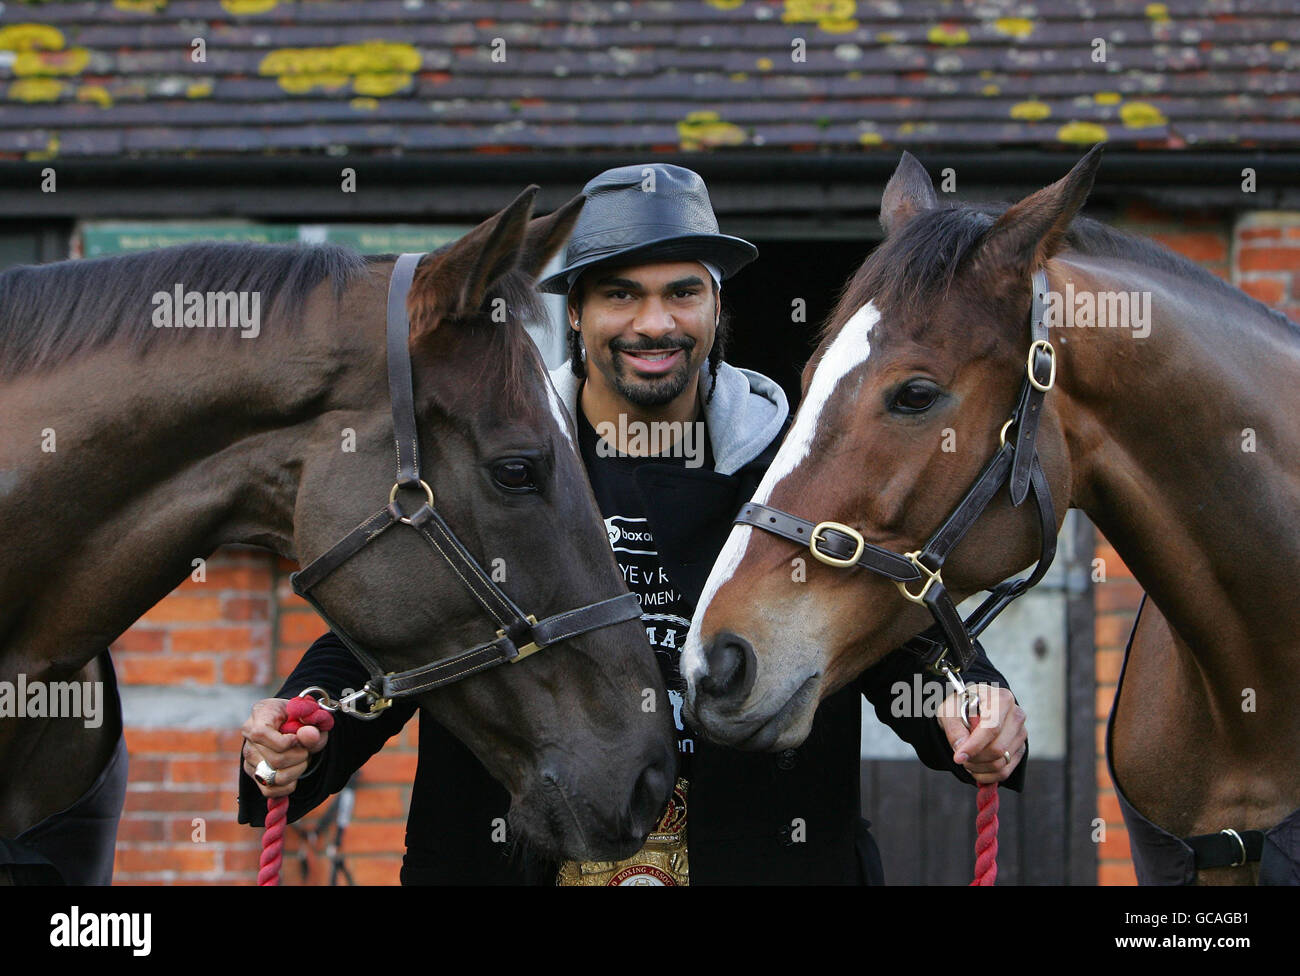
<point>1006,754</point>
<point>264,774</point>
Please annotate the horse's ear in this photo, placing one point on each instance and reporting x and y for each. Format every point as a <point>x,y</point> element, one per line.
<point>547,234</point>
<point>1031,231</point>
<point>454,284</point>
<point>908,192</point>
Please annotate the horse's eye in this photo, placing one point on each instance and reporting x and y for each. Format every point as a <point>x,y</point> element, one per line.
<point>915,397</point>
<point>514,474</point>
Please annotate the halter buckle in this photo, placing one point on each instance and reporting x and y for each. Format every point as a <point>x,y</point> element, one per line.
<point>428,492</point>
<point>1029,365</point>
<point>530,648</point>
<point>932,577</point>
<point>852,533</point>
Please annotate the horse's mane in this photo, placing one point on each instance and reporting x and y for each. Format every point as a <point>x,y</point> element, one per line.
<point>915,265</point>
<point>51,313</point>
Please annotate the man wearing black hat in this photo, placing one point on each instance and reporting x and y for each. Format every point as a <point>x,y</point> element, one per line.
<point>674,441</point>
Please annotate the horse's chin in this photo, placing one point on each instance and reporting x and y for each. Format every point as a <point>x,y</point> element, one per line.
<point>546,827</point>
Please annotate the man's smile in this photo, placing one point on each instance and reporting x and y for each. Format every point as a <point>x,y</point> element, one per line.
<point>654,361</point>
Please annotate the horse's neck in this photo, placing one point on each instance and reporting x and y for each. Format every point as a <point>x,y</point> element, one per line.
<point>1186,454</point>
<point>134,465</point>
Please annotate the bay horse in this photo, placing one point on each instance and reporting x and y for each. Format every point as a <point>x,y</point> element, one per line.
<point>1178,436</point>
<point>131,449</point>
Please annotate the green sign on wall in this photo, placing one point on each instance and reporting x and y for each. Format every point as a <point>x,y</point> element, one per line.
<point>99,238</point>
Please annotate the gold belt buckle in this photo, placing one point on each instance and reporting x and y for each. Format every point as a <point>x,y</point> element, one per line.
<point>663,861</point>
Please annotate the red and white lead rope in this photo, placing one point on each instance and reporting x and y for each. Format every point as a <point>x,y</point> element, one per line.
<point>304,710</point>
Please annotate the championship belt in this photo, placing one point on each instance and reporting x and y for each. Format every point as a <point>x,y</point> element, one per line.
<point>662,861</point>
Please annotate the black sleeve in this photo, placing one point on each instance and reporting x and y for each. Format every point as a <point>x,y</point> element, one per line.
<point>329,664</point>
<point>923,732</point>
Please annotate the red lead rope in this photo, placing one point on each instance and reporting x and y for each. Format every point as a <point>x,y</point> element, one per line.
<point>302,711</point>
<point>986,838</point>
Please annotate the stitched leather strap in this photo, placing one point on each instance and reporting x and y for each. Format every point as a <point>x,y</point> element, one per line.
<point>400,382</point>
<point>1030,407</point>
<point>831,542</point>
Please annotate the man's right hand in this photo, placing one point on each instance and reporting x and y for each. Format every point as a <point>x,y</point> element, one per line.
<point>287,754</point>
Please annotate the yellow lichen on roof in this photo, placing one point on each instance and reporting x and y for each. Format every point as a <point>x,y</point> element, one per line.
<point>35,90</point>
<point>1141,115</point>
<point>96,94</point>
<point>947,35</point>
<point>1018,27</point>
<point>1030,111</point>
<point>374,67</point>
<point>703,130</point>
<point>49,152</point>
<point>249,6</point>
<point>140,6</point>
<point>1082,133</point>
<point>832,16</point>
<point>1107,98</point>
<point>31,37</point>
<point>1157,12</point>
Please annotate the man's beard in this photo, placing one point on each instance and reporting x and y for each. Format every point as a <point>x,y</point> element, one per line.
<point>659,390</point>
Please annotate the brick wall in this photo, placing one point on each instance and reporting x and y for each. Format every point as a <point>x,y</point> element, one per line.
<point>190,670</point>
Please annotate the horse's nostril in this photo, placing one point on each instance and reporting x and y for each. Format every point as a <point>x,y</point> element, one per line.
<point>652,788</point>
<point>731,667</point>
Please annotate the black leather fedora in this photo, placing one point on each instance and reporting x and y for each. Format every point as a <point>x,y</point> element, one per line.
<point>646,213</point>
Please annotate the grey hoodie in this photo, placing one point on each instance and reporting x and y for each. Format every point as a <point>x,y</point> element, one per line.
<point>744,417</point>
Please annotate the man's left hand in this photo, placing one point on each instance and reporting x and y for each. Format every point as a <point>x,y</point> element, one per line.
<point>990,751</point>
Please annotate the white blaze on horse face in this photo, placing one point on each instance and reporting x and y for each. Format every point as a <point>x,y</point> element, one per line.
<point>848,351</point>
<point>557,409</point>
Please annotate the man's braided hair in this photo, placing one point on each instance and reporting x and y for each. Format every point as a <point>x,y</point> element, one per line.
<point>579,366</point>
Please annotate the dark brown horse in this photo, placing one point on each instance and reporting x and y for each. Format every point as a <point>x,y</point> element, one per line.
<point>130,449</point>
<point>1177,435</point>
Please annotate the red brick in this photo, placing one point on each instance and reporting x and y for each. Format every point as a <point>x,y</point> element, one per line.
<point>246,608</point>
<point>1117,873</point>
<point>215,771</point>
<point>375,802</point>
<point>1120,595</point>
<point>1115,846</point>
<point>244,861</point>
<point>218,829</point>
<point>240,671</point>
<point>197,802</point>
<point>1108,809</point>
<point>135,860</point>
<point>249,578</point>
<point>1105,694</point>
<point>1112,630</point>
<point>189,640</point>
<point>136,830</point>
<point>141,639</point>
<point>1107,664</point>
<point>1271,291</point>
<point>287,658</point>
<point>285,566</point>
<point>376,838</point>
<point>1204,246</point>
<point>168,741</point>
<point>1260,234</point>
<point>147,770</point>
<point>300,628</point>
<point>165,670</point>
<point>391,766</point>
<point>184,609</point>
<point>1293,233</point>
<point>375,870</point>
<point>1268,259</point>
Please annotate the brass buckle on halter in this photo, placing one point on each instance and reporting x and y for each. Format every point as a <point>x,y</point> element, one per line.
<point>1029,365</point>
<point>530,648</point>
<point>392,495</point>
<point>852,533</point>
<point>931,578</point>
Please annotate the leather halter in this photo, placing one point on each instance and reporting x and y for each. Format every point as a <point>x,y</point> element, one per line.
<point>1016,462</point>
<point>518,634</point>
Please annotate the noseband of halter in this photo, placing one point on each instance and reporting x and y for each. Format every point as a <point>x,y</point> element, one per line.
<point>1016,462</point>
<point>518,634</point>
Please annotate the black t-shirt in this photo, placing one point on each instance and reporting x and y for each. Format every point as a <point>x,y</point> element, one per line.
<point>665,610</point>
